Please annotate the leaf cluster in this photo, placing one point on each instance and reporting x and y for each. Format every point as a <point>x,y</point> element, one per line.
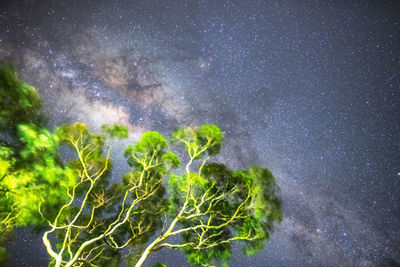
<point>19,101</point>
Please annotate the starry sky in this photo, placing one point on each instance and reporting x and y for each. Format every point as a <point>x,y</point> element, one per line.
<point>309,89</point>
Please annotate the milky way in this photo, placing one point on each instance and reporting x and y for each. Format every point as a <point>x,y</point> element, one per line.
<point>309,90</point>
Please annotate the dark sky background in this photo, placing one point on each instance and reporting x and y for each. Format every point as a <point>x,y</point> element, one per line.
<point>309,89</point>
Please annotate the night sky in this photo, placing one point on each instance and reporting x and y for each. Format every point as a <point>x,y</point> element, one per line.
<point>308,89</point>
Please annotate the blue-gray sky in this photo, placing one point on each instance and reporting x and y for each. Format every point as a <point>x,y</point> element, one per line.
<point>309,89</point>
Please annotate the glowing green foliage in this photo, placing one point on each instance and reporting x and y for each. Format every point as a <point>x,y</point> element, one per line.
<point>149,142</point>
<point>30,173</point>
<point>19,102</point>
<point>214,206</point>
<point>224,206</point>
<point>210,134</point>
<point>6,160</point>
<point>39,142</point>
<point>38,177</point>
<point>6,168</point>
<point>115,131</point>
<point>151,145</point>
<point>68,132</point>
<point>196,140</point>
<point>77,136</point>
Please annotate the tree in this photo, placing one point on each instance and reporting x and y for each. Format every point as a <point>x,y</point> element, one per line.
<point>29,167</point>
<point>91,220</point>
<point>214,206</point>
<point>84,233</point>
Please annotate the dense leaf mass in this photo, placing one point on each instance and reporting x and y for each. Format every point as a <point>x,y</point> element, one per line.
<point>19,102</point>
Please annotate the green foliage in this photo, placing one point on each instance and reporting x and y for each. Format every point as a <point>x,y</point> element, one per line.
<point>115,131</point>
<point>194,139</point>
<point>77,137</point>
<point>149,151</point>
<point>77,134</point>
<point>74,132</point>
<point>248,198</point>
<point>149,142</point>
<point>37,177</point>
<point>29,169</point>
<point>6,217</point>
<point>171,159</point>
<point>39,142</point>
<point>19,102</point>
<point>6,161</point>
<point>151,162</point>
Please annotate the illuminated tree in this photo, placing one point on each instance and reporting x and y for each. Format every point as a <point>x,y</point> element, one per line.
<point>85,234</point>
<point>208,208</point>
<point>87,219</point>
<point>29,168</point>
<point>213,206</point>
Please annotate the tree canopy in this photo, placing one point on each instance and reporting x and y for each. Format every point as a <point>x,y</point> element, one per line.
<point>174,196</point>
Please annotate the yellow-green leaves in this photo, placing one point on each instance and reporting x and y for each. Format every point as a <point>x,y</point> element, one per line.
<point>72,132</point>
<point>222,206</point>
<point>6,160</point>
<point>115,131</point>
<point>180,183</point>
<point>5,153</point>
<point>267,202</point>
<point>150,152</point>
<point>198,140</point>
<point>40,151</point>
<point>210,136</point>
<point>151,141</point>
<point>39,142</point>
<point>78,137</point>
<point>19,102</point>
<point>172,160</point>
